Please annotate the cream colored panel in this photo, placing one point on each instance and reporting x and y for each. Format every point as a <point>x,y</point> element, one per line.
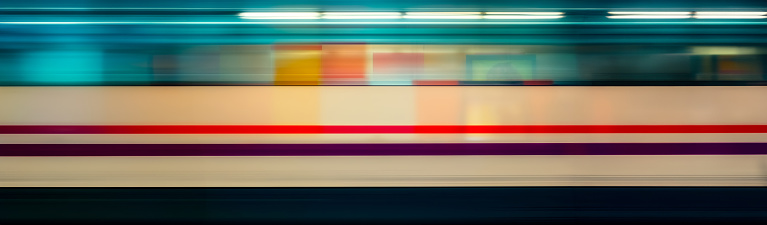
<point>615,105</point>
<point>444,62</point>
<point>357,105</point>
<point>383,171</point>
<point>382,105</point>
<point>437,106</point>
<point>52,105</point>
<point>293,105</point>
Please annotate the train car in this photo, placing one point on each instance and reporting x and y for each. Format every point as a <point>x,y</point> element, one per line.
<point>552,98</point>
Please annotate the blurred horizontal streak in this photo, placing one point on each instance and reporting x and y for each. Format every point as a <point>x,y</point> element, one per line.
<point>649,17</point>
<point>378,23</point>
<point>410,149</point>
<point>379,106</point>
<point>651,13</point>
<point>365,129</point>
<point>526,13</point>
<point>520,17</point>
<point>362,15</point>
<point>375,138</point>
<point>728,17</point>
<point>382,171</point>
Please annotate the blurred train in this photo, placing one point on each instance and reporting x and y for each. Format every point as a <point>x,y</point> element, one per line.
<point>333,124</point>
<point>600,103</point>
<point>398,111</point>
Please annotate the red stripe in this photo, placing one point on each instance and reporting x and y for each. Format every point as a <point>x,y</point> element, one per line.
<point>424,129</point>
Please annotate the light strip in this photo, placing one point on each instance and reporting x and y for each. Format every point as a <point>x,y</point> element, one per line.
<point>379,22</point>
<point>730,17</point>
<point>254,14</point>
<point>362,15</point>
<point>281,18</point>
<point>732,13</point>
<point>651,13</point>
<point>648,17</point>
<point>525,13</point>
<point>446,13</point>
<point>520,17</point>
<point>442,15</point>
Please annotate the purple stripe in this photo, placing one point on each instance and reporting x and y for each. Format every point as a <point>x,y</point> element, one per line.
<point>381,149</point>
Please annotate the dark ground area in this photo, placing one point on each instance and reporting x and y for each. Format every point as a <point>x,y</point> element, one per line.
<point>513,205</point>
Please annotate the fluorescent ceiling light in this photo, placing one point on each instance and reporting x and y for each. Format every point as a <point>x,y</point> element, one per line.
<point>651,13</point>
<point>362,15</point>
<point>443,15</point>
<point>473,22</point>
<point>525,13</point>
<point>431,13</point>
<point>281,18</point>
<point>732,13</point>
<point>648,17</point>
<point>730,17</point>
<point>520,17</point>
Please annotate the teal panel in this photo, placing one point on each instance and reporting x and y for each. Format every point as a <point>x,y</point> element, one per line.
<point>62,66</point>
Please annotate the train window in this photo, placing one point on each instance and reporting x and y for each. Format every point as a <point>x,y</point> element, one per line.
<point>127,67</point>
<point>500,67</point>
<point>443,63</point>
<point>344,63</point>
<point>297,64</point>
<point>397,68</point>
<point>361,64</point>
<point>246,64</point>
<point>9,66</point>
<point>641,67</point>
<point>739,67</point>
<point>200,64</point>
<point>62,66</point>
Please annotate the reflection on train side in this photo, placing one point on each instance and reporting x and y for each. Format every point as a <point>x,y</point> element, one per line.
<point>375,64</point>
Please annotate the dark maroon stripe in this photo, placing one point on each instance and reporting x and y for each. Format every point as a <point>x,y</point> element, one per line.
<point>381,149</point>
